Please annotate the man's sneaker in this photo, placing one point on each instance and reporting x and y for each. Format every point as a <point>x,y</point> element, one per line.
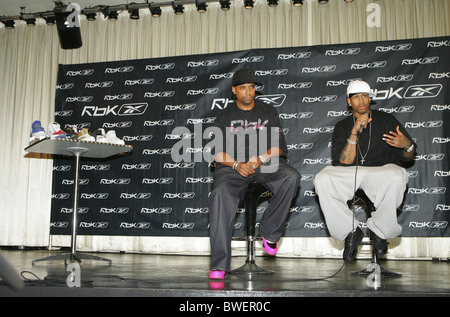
<point>85,135</point>
<point>54,131</point>
<point>71,132</point>
<point>271,248</point>
<point>100,136</point>
<point>112,138</point>
<point>216,275</point>
<point>379,245</point>
<point>37,132</point>
<point>352,241</point>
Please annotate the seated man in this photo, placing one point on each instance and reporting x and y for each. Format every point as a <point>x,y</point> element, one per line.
<point>368,149</point>
<point>253,150</point>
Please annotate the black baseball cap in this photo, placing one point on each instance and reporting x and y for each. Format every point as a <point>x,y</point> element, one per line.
<point>244,76</point>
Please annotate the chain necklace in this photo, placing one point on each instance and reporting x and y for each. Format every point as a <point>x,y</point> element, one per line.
<point>363,157</point>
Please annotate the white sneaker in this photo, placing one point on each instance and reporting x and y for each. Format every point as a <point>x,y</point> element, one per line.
<point>54,131</point>
<point>100,136</point>
<point>112,138</point>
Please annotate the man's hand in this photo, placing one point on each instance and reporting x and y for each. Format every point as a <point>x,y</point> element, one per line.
<point>397,139</point>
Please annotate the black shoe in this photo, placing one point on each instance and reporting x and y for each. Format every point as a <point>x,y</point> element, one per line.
<point>380,246</point>
<point>352,242</point>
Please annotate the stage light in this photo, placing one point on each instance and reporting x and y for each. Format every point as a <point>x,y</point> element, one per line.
<point>112,15</point>
<point>90,16</point>
<point>224,5</point>
<point>155,11</point>
<point>9,24</point>
<point>201,6</point>
<point>178,9</point>
<point>31,21</point>
<point>272,3</point>
<point>134,14</point>
<point>297,3</point>
<point>50,20</point>
<point>248,4</point>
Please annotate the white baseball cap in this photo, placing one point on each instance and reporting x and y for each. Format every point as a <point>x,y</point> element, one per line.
<point>358,87</point>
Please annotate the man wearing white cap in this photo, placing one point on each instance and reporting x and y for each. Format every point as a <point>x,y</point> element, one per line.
<point>368,151</point>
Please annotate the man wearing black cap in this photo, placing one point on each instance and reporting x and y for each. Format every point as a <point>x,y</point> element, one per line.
<point>254,149</point>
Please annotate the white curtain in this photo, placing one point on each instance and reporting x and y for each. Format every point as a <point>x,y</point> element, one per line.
<point>29,58</point>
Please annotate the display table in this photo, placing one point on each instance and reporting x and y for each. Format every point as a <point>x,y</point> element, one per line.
<point>77,149</point>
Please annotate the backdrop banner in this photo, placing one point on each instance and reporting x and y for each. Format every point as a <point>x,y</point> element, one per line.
<point>163,107</point>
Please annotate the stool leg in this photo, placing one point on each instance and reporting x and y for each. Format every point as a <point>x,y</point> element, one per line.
<point>251,203</point>
<point>375,261</point>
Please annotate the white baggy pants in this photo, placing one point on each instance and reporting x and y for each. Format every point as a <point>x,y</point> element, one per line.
<point>384,185</point>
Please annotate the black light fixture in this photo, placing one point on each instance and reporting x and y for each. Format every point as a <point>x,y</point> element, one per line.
<point>348,1</point>
<point>178,9</point>
<point>297,3</point>
<point>111,15</point>
<point>272,3</point>
<point>49,19</point>
<point>134,14</point>
<point>90,16</point>
<point>30,21</point>
<point>323,1</point>
<point>248,4</point>
<point>9,24</point>
<point>201,6</point>
<point>225,5</point>
<point>155,11</point>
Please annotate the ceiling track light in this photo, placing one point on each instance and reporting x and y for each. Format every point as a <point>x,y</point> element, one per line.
<point>50,20</point>
<point>111,15</point>
<point>297,3</point>
<point>9,24</point>
<point>272,3</point>
<point>201,6</point>
<point>178,9</point>
<point>323,1</point>
<point>225,5</point>
<point>248,4</point>
<point>155,11</point>
<point>90,16</point>
<point>134,14</point>
<point>348,1</point>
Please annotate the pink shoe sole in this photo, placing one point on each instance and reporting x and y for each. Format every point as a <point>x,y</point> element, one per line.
<point>216,275</point>
<point>268,249</point>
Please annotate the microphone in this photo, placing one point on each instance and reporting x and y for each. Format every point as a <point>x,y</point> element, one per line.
<point>362,126</point>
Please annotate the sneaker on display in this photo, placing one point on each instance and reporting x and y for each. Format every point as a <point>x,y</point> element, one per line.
<point>85,135</point>
<point>71,132</point>
<point>37,132</point>
<point>54,131</point>
<point>112,138</point>
<point>100,136</point>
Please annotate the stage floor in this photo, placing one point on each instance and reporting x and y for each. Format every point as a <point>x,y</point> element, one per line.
<point>186,276</point>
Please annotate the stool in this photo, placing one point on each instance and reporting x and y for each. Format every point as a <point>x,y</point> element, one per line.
<point>364,200</point>
<point>254,191</point>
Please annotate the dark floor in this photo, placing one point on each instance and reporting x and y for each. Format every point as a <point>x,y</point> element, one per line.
<point>186,276</point>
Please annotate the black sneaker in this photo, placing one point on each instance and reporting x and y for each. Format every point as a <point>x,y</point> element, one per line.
<point>352,242</point>
<point>380,246</point>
